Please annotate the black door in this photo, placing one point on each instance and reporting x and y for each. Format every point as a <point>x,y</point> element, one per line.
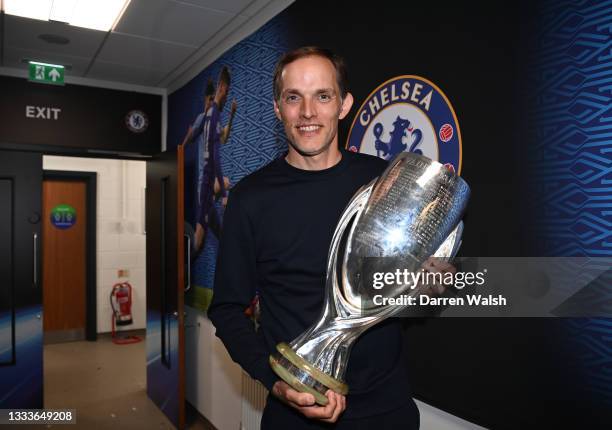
<point>165,289</point>
<point>21,371</point>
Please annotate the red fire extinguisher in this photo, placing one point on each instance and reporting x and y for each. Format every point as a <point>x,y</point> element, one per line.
<point>121,303</point>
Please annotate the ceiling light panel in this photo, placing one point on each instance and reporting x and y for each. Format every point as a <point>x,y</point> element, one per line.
<point>62,10</point>
<point>98,15</point>
<point>35,9</point>
<point>93,14</point>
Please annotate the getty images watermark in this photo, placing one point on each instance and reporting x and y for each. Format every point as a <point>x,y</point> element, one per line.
<point>489,287</point>
<point>426,288</point>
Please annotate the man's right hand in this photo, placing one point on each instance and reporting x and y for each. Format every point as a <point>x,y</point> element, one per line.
<point>305,402</point>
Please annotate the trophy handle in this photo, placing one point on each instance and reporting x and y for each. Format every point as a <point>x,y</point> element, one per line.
<point>338,303</point>
<point>451,244</point>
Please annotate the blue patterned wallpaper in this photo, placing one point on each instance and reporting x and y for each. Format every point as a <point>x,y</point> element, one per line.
<point>570,130</point>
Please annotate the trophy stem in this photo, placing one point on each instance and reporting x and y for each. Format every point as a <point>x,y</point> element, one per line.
<point>303,376</point>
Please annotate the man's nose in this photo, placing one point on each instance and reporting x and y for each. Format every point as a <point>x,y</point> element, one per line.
<point>308,108</point>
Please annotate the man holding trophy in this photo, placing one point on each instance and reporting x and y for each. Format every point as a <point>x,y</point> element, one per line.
<point>278,227</point>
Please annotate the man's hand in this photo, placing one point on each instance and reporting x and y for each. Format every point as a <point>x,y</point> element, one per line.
<point>305,402</point>
<point>437,265</point>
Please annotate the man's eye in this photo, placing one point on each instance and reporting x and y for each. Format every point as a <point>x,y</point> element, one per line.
<point>291,98</point>
<point>324,97</point>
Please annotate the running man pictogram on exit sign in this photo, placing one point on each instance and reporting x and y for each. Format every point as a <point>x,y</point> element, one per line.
<point>46,73</point>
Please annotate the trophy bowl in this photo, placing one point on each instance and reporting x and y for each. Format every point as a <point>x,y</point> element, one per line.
<point>411,212</point>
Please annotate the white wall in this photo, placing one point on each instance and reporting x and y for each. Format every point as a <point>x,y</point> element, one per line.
<point>120,241</point>
<point>214,381</point>
<point>436,419</point>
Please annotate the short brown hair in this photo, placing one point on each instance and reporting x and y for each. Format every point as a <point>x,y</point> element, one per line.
<point>209,90</point>
<point>224,76</point>
<point>308,51</point>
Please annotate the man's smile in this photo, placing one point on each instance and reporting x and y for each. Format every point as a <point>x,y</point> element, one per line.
<point>309,127</point>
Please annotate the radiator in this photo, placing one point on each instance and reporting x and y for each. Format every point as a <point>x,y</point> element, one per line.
<point>253,402</point>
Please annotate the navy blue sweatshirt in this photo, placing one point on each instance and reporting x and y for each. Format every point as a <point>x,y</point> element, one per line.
<point>277,229</point>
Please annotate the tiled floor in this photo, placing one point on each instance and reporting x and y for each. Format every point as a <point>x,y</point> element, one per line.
<point>105,383</point>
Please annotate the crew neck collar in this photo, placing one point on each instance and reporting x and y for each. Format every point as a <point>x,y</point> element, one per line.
<point>296,171</point>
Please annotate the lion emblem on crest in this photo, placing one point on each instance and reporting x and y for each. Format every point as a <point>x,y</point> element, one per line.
<point>401,129</point>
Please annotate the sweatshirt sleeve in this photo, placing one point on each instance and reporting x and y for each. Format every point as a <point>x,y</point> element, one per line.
<point>234,288</point>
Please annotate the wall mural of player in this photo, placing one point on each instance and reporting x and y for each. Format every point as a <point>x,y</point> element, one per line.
<point>214,161</point>
<point>210,183</point>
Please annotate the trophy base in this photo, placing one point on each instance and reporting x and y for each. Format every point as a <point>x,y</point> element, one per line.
<point>303,376</point>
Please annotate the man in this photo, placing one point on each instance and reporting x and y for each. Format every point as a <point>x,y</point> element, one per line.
<point>207,130</point>
<point>278,227</point>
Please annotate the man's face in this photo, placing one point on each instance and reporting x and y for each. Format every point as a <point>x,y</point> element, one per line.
<point>222,90</point>
<point>310,105</point>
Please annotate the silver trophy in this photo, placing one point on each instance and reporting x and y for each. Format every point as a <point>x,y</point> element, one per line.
<point>411,212</point>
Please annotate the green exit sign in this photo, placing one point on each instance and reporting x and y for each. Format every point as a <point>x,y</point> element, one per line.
<point>46,73</point>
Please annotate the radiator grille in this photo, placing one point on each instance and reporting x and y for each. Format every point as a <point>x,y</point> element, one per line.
<point>253,402</point>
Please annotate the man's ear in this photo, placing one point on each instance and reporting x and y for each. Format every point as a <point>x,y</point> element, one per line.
<point>347,103</point>
<point>277,110</point>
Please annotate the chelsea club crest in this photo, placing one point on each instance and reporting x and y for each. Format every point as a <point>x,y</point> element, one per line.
<point>136,121</point>
<point>407,113</point>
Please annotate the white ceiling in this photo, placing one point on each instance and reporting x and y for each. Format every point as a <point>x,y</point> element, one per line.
<point>157,43</point>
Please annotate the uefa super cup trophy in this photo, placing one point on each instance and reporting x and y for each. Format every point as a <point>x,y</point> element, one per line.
<point>411,212</point>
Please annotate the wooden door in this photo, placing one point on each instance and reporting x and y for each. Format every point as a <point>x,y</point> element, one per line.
<point>64,259</point>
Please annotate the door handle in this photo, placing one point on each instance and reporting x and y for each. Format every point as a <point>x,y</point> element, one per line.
<point>35,251</point>
<point>188,285</point>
